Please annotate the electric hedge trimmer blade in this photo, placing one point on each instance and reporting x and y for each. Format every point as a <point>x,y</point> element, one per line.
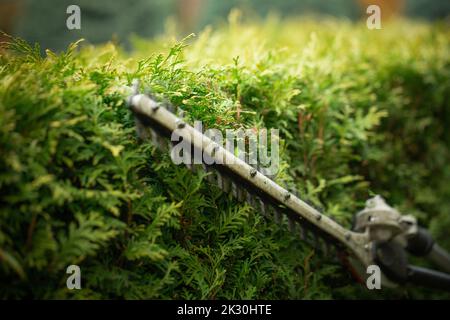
<point>380,236</point>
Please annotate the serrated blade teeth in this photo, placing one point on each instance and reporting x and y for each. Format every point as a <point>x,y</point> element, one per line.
<point>308,237</point>
<point>317,242</point>
<point>250,199</point>
<point>325,248</point>
<point>234,189</point>
<point>205,167</point>
<point>238,192</point>
<point>209,176</point>
<point>220,180</point>
<point>278,216</point>
<point>241,194</point>
<point>302,232</point>
<point>226,184</point>
<point>246,196</point>
<point>264,207</point>
<point>254,201</point>
<point>154,137</point>
<point>291,225</point>
<point>189,164</point>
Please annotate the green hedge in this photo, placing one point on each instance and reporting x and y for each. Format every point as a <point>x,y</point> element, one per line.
<point>360,112</point>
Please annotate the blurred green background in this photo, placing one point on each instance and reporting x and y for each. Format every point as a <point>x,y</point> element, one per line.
<point>44,21</point>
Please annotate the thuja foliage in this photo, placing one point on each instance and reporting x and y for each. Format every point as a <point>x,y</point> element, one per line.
<point>360,112</point>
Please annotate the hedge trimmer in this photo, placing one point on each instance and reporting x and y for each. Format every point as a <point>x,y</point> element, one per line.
<point>381,236</point>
